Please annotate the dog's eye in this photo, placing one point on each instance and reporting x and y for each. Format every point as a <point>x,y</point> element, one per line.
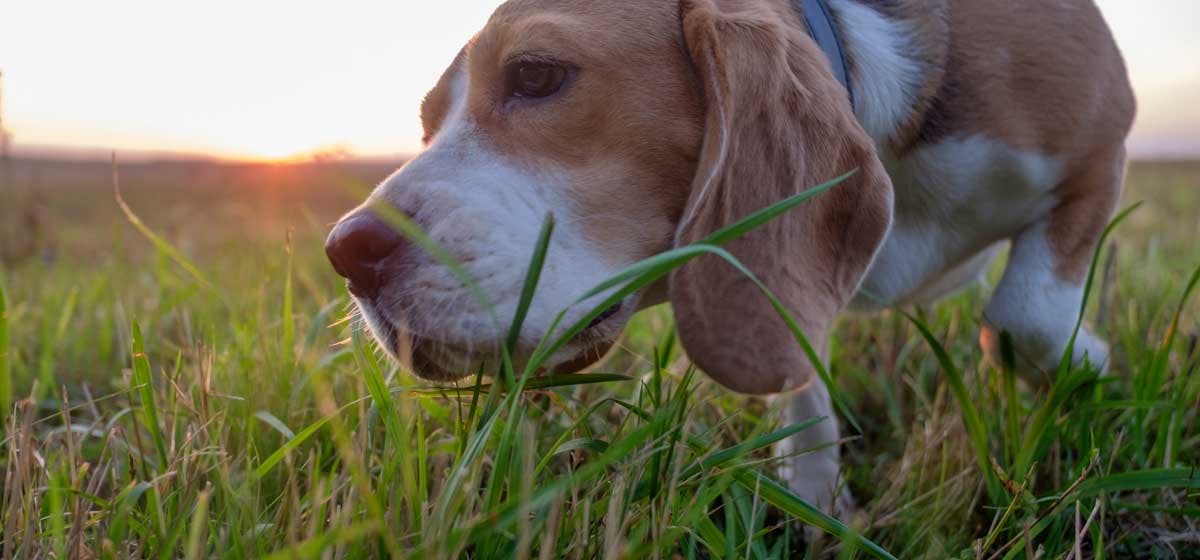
<point>535,80</point>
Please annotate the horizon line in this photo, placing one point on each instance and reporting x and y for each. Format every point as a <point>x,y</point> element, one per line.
<point>82,154</point>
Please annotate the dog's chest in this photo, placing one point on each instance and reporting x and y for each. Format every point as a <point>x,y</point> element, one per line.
<point>954,201</point>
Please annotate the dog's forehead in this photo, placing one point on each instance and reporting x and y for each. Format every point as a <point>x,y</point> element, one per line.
<point>638,46</point>
<point>592,10</point>
<point>607,25</point>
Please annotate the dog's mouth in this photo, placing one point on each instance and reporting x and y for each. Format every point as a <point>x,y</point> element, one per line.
<point>442,360</point>
<point>604,316</point>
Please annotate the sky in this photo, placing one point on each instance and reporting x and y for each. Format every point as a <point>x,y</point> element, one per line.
<point>265,79</point>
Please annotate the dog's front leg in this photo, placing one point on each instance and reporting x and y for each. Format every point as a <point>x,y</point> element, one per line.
<point>809,461</point>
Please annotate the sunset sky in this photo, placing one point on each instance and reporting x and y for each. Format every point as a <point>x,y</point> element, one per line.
<point>270,79</point>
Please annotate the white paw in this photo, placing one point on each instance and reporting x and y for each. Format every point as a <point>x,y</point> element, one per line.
<point>1090,348</point>
<point>827,496</point>
<point>1039,356</point>
<point>814,479</point>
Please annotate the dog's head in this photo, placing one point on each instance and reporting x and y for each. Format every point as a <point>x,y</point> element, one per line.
<point>639,126</point>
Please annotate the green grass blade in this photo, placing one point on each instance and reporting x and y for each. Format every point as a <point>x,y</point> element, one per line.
<point>1040,432</point>
<point>56,498</point>
<point>1149,479</point>
<point>972,421</point>
<point>159,243</point>
<point>534,384</point>
<point>712,537</point>
<point>404,225</point>
<point>721,458</point>
<point>648,271</point>
<point>532,277</point>
<point>1143,480</point>
<point>677,258</point>
<point>5,359</point>
<point>639,276</point>
<point>143,381</point>
<point>195,542</point>
<point>724,235</point>
<point>377,387</point>
<point>757,219</point>
<point>1068,355</point>
<point>544,496</point>
<point>274,422</point>
<point>125,502</point>
<point>776,494</point>
<point>316,546</point>
<point>288,318</point>
<point>745,448</point>
<point>274,458</point>
<point>1163,355</point>
<point>458,472</point>
<point>779,496</point>
<point>51,340</point>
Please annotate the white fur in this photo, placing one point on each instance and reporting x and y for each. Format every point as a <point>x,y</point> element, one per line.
<point>486,211</point>
<point>956,203</point>
<point>971,271</point>
<point>884,78</point>
<point>809,460</point>
<point>955,200</point>
<point>1038,309</point>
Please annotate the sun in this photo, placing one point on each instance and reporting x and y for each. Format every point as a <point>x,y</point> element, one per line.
<point>282,152</point>
<point>293,152</point>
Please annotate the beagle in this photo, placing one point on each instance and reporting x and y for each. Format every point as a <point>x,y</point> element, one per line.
<point>647,125</point>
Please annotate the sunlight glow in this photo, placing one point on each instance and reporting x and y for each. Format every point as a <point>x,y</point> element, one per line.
<point>271,79</point>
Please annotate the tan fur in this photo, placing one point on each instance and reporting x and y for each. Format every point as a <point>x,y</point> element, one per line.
<point>632,143</point>
<point>680,117</point>
<point>638,135</point>
<point>1042,76</point>
<point>630,129</point>
<point>1087,199</point>
<point>437,102</point>
<point>778,123</point>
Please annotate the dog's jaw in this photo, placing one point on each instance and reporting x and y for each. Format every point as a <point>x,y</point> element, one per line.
<point>448,360</point>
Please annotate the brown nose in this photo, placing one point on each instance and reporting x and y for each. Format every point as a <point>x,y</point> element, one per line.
<point>357,247</point>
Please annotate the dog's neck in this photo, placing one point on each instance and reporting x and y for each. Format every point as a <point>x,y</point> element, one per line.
<point>895,53</point>
<point>822,28</point>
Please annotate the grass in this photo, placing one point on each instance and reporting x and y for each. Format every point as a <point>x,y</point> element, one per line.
<point>187,387</point>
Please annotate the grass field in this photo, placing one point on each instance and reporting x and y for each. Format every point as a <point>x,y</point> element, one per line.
<point>203,397</point>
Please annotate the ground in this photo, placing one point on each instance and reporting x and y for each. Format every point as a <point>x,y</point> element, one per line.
<point>188,387</point>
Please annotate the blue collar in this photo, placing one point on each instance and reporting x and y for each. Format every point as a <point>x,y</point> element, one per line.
<point>825,33</point>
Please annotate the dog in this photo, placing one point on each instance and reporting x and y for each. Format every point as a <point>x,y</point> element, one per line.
<point>646,125</point>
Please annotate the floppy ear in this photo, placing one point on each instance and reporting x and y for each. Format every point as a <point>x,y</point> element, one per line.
<point>777,123</point>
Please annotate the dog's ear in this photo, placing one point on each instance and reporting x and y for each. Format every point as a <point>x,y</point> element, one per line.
<point>777,123</point>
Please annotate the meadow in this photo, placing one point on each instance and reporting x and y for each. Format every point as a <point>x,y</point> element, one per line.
<point>183,381</point>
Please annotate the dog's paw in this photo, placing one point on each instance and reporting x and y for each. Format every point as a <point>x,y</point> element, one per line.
<point>815,480</point>
<point>1037,356</point>
<point>839,504</point>
<point>1089,348</point>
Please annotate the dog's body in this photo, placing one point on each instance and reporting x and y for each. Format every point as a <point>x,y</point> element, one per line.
<point>975,122</point>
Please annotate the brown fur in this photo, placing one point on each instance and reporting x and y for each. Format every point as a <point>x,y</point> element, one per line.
<point>639,132</point>
<point>785,125</point>
<point>1041,76</point>
<point>632,123</point>
<point>437,102</point>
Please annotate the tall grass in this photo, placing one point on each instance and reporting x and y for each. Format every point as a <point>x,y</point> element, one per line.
<point>5,363</point>
<point>217,405</point>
